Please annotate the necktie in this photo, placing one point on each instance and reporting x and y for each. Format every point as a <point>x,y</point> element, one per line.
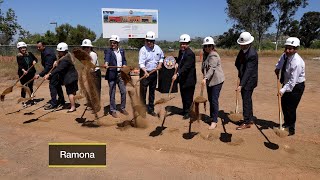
<point>283,70</point>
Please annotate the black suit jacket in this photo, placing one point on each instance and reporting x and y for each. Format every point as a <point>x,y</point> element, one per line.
<point>247,65</point>
<point>187,68</point>
<point>111,58</point>
<point>47,59</point>
<point>66,70</point>
<point>23,64</point>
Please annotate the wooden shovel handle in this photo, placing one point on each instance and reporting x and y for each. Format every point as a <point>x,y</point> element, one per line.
<point>44,79</point>
<point>23,75</point>
<point>172,82</point>
<point>237,97</point>
<point>143,77</point>
<point>279,102</point>
<point>111,66</point>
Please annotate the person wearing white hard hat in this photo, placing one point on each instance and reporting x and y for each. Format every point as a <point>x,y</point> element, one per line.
<point>150,58</point>
<point>66,70</point>
<point>26,61</point>
<point>213,78</point>
<point>247,66</point>
<point>292,69</point>
<point>87,46</point>
<point>115,56</point>
<point>186,74</point>
<point>48,58</point>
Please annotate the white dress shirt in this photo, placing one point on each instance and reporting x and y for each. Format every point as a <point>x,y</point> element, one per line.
<point>295,71</point>
<point>119,58</point>
<point>94,59</point>
<point>150,58</point>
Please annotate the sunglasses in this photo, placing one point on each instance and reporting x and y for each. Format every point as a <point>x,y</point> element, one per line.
<point>114,42</point>
<point>206,46</point>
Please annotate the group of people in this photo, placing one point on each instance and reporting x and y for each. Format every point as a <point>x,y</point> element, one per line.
<point>151,58</point>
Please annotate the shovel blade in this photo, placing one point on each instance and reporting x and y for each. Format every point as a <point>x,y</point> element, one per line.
<point>81,120</point>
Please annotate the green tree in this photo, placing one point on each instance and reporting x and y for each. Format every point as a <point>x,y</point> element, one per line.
<point>254,16</point>
<point>228,39</point>
<point>63,32</point>
<point>9,26</point>
<point>285,10</point>
<point>101,42</point>
<point>136,42</point>
<point>309,28</point>
<point>78,34</point>
<point>293,29</point>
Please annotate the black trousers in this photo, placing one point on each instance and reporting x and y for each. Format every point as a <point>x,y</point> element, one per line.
<point>97,81</point>
<point>150,82</point>
<point>55,87</point>
<point>25,79</point>
<point>247,105</point>
<point>290,102</point>
<point>187,97</point>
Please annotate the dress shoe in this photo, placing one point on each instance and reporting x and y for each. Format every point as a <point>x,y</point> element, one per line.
<point>50,107</point>
<point>152,113</point>
<point>291,131</point>
<point>186,116</point>
<point>243,126</point>
<point>125,112</point>
<point>114,114</point>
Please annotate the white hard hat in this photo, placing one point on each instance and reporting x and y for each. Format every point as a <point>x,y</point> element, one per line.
<point>245,38</point>
<point>62,46</point>
<point>114,38</point>
<point>151,35</point>
<point>292,41</point>
<point>184,38</point>
<point>86,43</point>
<point>21,44</point>
<point>208,40</point>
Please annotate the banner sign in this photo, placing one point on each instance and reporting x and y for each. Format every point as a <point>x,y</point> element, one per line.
<point>129,23</point>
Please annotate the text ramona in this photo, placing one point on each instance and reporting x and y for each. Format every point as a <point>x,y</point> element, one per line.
<point>76,155</point>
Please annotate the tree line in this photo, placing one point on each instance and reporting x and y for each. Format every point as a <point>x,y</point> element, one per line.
<point>255,16</point>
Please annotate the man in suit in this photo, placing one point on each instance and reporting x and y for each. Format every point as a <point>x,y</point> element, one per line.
<point>247,66</point>
<point>115,56</point>
<point>48,57</point>
<point>186,74</point>
<point>150,58</point>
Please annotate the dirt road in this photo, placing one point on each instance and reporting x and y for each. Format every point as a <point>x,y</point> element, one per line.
<point>255,153</point>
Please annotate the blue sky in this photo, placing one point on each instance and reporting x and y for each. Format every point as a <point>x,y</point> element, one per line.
<point>195,17</point>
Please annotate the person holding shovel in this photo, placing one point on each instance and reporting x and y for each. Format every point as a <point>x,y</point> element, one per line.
<point>115,56</point>
<point>48,57</point>
<point>292,69</point>
<point>213,78</point>
<point>150,59</point>
<point>247,66</point>
<point>67,72</point>
<point>186,74</point>
<point>87,46</point>
<point>26,61</point>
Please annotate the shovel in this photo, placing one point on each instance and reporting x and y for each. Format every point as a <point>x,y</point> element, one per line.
<point>81,119</point>
<point>281,131</point>
<point>164,100</point>
<point>31,112</point>
<point>32,95</point>
<point>143,77</point>
<point>9,89</point>
<point>236,116</point>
